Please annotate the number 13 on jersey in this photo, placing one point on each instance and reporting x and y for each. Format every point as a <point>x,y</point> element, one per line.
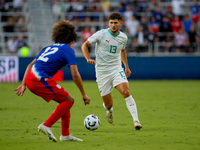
<point>113,49</point>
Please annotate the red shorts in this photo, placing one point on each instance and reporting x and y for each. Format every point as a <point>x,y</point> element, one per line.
<point>47,88</point>
<point>195,18</point>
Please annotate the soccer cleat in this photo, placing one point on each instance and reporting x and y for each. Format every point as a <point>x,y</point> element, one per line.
<point>69,138</point>
<point>47,131</point>
<point>137,125</point>
<point>109,116</point>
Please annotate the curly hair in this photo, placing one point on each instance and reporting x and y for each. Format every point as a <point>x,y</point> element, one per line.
<point>114,16</point>
<point>64,32</point>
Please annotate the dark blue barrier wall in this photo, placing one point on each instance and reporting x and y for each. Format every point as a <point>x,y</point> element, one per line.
<point>141,67</point>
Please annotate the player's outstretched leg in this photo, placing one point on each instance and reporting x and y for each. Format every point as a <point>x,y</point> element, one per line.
<point>131,105</point>
<point>47,131</point>
<point>69,138</point>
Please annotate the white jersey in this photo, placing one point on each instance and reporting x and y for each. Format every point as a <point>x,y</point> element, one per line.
<point>108,50</point>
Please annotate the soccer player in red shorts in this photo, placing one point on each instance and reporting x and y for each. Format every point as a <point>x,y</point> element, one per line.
<point>38,78</point>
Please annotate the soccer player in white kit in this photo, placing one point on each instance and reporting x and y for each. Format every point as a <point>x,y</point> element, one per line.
<point>109,52</point>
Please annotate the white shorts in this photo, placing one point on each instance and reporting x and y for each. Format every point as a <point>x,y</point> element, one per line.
<point>106,82</point>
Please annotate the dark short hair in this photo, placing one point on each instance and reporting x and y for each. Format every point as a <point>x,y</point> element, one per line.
<point>64,32</point>
<point>114,16</point>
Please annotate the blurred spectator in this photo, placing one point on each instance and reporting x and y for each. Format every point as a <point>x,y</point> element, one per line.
<point>193,39</point>
<point>165,25</point>
<point>141,40</point>
<point>110,10</point>
<point>76,23</point>
<point>24,51</point>
<point>134,45</point>
<point>4,6</point>
<point>132,26</point>
<point>143,5</point>
<point>153,4</point>
<point>144,24</point>
<point>85,34</point>
<point>10,25</point>
<point>195,12</point>
<point>20,41</point>
<point>65,6</point>
<point>187,23</point>
<point>18,4</point>
<point>135,5</point>
<point>94,8</point>
<point>154,24</point>
<point>165,28</point>
<point>121,8</point>
<point>152,38</point>
<point>176,24</point>
<point>157,14</point>
<point>21,24</point>
<point>80,12</point>
<point>126,3</point>
<point>178,7</point>
<point>181,41</point>
<point>56,9</point>
<point>88,20</point>
<point>169,14</point>
<point>18,14</point>
<point>128,13</point>
<point>12,45</point>
<point>168,43</point>
<point>105,5</point>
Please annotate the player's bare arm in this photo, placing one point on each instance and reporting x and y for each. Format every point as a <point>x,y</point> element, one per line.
<point>86,54</point>
<point>125,62</point>
<point>20,90</point>
<point>78,81</point>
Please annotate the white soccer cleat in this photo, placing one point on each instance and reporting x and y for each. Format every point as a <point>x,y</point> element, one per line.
<point>109,116</point>
<point>137,125</point>
<point>47,131</point>
<point>69,138</point>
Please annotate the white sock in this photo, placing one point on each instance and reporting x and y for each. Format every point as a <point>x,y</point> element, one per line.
<point>110,110</point>
<point>131,105</point>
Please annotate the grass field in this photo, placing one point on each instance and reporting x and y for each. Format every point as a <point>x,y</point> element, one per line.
<point>169,111</point>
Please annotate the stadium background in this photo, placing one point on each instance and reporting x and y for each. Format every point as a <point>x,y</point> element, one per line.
<point>30,23</point>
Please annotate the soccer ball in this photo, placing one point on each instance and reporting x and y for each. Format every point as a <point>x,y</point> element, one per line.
<point>91,122</point>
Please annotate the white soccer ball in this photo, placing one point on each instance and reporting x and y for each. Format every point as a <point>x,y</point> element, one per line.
<point>91,122</point>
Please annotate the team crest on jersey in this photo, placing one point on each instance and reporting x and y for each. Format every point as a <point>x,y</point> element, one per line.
<point>120,43</point>
<point>58,86</point>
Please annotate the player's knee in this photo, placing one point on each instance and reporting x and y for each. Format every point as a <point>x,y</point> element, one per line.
<point>70,98</point>
<point>126,93</point>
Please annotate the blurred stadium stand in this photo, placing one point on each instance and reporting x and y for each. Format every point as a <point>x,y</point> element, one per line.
<point>40,15</point>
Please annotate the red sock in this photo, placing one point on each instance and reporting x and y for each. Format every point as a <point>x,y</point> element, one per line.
<point>65,121</point>
<point>60,110</point>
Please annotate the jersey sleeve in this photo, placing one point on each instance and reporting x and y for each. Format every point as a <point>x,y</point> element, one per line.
<point>95,37</point>
<point>125,41</point>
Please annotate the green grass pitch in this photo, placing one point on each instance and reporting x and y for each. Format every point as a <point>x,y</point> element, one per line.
<point>169,111</point>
